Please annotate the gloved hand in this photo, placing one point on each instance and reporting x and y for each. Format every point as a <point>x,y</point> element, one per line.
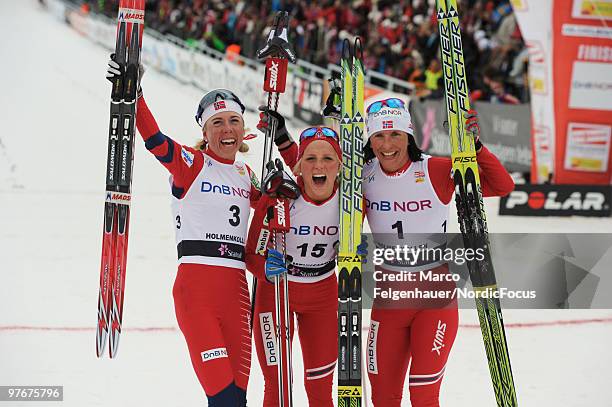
<point>115,71</point>
<point>362,249</point>
<point>265,118</point>
<point>472,126</point>
<point>275,264</point>
<point>333,107</point>
<point>278,184</point>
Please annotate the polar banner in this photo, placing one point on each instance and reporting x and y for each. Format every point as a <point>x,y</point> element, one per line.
<point>505,130</point>
<point>557,200</point>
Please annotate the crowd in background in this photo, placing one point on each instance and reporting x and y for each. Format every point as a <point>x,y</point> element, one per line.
<point>401,36</point>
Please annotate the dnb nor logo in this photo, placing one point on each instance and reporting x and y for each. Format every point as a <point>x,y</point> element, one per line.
<point>208,187</point>
<point>129,15</point>
<point>372,360</point>
<point>266,326</point>
<point>387,124</point>
<point>219,105</point>
<point>213,354</point>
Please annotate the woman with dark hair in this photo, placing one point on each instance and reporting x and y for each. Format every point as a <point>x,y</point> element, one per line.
<point>407,195</point>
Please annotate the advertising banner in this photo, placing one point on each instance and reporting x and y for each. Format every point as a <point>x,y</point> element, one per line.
<point>535,20</point>
<point>307,98</point>
<point>582,61</point>
<point>557,200</point>
<point>505,130</point>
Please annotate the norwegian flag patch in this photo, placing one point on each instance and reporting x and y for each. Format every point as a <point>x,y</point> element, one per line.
<point>387,124</point>
<point>219,105</point>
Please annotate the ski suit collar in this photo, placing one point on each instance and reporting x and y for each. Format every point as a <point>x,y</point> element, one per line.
<point>215,157</point>
<point>399,171</point>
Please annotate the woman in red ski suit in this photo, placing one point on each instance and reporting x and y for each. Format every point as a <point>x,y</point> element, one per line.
<point>407,195</point>
<point>310,248</point>
<point>212,194</point>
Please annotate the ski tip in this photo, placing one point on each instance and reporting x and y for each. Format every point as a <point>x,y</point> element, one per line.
<point>358,48</point>
<point>346,49</point>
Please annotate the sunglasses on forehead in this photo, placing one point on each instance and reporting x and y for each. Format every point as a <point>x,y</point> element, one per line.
<point>215,96</point>
<point>393,103</point>
<point>318,132</point>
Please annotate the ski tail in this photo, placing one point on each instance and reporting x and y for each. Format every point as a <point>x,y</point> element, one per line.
<point>104,293</point>
<point>469,202</point>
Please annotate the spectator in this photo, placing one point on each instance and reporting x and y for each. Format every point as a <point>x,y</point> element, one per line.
<point>495,90</point>
<point>400,36</point>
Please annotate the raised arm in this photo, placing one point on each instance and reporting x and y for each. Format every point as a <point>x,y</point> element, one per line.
<point>287,148</point>
<point>184,163</point>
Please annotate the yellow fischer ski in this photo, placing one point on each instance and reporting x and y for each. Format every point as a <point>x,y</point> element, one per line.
<point>351,217</point>
<point>470,207</point>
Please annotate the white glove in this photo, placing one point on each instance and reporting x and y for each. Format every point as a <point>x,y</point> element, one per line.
<point>115,71</point>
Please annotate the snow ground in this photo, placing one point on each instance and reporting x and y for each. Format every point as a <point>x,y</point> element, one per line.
<point>54,113</point>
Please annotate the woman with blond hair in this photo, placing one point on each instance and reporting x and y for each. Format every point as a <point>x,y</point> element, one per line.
<point>311,258</point>
<point>212,193</point>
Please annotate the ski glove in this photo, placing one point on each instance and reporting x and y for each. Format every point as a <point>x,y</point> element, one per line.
<point>265,119</point>
<point>362,250</point>
<point>472,126</point>
<point>114,71</point>
<point>333,107</point>
<point>278,184</point>
<point>275,264</point>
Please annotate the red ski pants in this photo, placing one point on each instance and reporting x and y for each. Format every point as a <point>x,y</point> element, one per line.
<point>420,337</point>
<point>314,306</point>
<point>213,309</point>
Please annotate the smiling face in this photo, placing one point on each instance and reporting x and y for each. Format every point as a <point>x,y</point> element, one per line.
<point>390,148</point>
<point>319,166</point>
<point>224,133</point>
